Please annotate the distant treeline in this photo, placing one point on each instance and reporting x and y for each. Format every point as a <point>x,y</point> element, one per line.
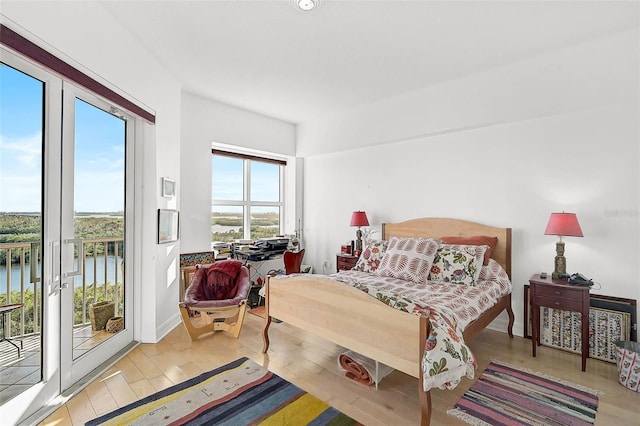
<point>263,225</point>
<point>26,228</point>
<point>19,228</point>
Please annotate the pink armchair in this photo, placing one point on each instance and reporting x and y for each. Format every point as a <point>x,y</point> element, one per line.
<point>219,293</point>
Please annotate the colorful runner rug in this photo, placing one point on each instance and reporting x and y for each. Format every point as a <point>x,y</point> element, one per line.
<point>239,393</point>
<point>506,395</point>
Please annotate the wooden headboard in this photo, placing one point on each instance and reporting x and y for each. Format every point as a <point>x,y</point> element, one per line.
<point>434,227</point>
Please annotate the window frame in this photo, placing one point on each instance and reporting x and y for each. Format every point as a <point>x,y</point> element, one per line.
<point>247,203</point>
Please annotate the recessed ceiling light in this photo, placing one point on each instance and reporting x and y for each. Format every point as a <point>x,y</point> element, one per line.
<point>306,5</point>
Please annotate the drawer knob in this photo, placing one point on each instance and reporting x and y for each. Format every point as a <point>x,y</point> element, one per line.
<point>557,303</point>
<point>557,292</point>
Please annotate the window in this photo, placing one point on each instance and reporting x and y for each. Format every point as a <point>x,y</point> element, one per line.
<point>247,198</point>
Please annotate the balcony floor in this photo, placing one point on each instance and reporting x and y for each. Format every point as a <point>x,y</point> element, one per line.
<point>18,374</point>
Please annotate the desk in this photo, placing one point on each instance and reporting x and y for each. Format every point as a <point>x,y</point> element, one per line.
<point>4,311</point>
<point>559,294</point>
<point>260,268</point>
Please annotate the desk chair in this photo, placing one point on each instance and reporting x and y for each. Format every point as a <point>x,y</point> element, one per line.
<point>292,261</point>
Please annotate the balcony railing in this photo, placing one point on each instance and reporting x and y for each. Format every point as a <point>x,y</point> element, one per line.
<point>20,265</point>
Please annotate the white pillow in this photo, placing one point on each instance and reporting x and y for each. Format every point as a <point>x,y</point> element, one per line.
<point>409,259</point>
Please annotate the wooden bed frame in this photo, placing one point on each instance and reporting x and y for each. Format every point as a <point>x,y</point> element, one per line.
<point>351,318</point>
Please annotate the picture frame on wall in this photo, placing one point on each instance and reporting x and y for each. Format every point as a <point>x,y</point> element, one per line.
<point>168,187</point>
<point>168,226</point>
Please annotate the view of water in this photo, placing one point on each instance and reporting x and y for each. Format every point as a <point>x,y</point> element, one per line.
<point>112,264</point>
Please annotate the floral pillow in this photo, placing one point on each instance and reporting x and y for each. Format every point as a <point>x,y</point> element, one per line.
<point>408,259</point>
<point>371,256</point>
<point>458,264</point>
<point>474,240</point>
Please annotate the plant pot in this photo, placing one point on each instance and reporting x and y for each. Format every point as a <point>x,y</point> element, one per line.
<point>100,313</point>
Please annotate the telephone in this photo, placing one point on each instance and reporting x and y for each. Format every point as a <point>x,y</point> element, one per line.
<point>580,279</point>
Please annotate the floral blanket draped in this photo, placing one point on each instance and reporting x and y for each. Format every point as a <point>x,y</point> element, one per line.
<point>447,359</point>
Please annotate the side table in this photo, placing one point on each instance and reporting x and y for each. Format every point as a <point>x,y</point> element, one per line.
<point>4,311</point>
<point>344,262</point>
<point>559,294</point>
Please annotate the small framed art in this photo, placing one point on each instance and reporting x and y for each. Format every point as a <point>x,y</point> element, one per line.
<point>168,226</point>
<point>168,187</point>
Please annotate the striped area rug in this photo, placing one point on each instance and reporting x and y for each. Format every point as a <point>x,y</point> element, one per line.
<point>239,393</point>
<point>506,395</point>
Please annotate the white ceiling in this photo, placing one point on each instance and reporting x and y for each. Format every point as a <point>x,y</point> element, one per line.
<point>271,58</point>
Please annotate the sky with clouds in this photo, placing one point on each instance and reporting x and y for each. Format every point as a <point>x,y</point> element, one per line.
<point>228,178</point>
<point>99,150</point>
<point>99,155</point>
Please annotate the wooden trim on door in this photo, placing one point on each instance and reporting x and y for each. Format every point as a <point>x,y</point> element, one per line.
<point>16,42</point>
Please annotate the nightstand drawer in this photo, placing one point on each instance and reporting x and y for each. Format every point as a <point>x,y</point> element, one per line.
<point>345,262</point>
<point>559,292</point>
<point>562,304</point>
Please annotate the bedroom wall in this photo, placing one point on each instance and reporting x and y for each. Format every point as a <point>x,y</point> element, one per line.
<point>157,153</point>
<point>518,130</point>
<point>557,132</point>
<point>205,121</point>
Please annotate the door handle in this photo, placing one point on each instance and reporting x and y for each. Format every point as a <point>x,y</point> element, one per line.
<point>78,270</point>
<point>54,256</point>
<point>60,286</point>
<point>33,262</point>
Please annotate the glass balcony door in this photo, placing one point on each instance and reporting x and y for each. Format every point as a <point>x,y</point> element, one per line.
<point>66,173</point>
<point>96,302</point>
<point>30,150</point>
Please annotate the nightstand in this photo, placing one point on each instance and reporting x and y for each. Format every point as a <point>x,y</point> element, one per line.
<point>559,294</point>
<point>344,262</point>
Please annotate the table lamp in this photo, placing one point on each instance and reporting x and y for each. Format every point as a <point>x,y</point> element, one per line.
<point>359,219</point>
<point>563,225</point>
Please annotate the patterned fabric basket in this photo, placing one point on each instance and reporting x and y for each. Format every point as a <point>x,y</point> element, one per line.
<point>628,362</point>
<point>114,324</point>
<point>99,313</point>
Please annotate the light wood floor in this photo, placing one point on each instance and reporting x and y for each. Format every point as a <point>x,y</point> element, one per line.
<point>310,363</point>
<point>17,374</point>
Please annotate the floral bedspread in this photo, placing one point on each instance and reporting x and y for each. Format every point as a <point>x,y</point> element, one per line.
<point>450,308</point>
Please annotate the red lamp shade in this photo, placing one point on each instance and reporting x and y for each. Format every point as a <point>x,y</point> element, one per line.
<point>563,224</point>
<point>359,219</point>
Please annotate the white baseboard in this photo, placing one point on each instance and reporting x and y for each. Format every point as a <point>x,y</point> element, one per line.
<point>502,322</point>
<point>166,327</point>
